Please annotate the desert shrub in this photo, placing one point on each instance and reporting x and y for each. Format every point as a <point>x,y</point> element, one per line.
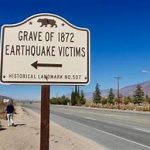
<point>146,108</point>
<point>139,108</point>
<point>127,107</point>
<point>60,100</point>
<point>104,101</point>
<point>88,103</point>
<point>142,108</point>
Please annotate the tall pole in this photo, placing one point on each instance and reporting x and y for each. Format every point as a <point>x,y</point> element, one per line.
<point>78,90</point>
<point>45,111</point>
<point>118,89</point>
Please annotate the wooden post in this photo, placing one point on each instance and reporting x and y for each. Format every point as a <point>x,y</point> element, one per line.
<point>45,113</point>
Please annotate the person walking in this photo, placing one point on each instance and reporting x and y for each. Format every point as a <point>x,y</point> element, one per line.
<point>10,110</point>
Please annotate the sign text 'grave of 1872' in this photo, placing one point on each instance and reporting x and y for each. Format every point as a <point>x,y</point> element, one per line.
<point>45,49</point>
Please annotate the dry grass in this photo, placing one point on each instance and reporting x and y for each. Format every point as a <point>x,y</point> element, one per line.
<point>130,106</point>
<point>2,110</point>
<point>143,108</point>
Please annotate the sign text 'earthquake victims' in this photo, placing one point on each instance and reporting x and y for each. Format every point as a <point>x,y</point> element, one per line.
<point>50,50</point>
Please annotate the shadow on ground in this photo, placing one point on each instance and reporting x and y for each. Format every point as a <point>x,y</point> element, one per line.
<point>1,129</point>
<point>15,125</point>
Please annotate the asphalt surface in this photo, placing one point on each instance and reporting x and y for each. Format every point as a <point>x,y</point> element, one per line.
<point>115,130</point>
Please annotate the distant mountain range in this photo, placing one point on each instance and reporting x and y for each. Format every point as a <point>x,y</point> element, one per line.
<point>129,90</point>
<point>125,91</point>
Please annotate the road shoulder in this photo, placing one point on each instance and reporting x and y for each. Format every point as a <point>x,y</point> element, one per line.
<point>26,134</point>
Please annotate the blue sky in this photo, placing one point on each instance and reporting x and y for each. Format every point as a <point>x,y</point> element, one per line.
<point>120,39</point>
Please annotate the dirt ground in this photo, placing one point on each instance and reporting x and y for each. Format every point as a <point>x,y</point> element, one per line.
<point>26,135</point>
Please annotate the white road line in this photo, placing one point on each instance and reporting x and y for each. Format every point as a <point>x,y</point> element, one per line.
<point>110,115</point>
<point>89,118</point>
<point>142,130</point>
<point>66,113</point>
<point>113,135</point>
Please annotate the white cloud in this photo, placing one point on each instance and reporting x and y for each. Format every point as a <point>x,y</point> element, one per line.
<point>146,71</point>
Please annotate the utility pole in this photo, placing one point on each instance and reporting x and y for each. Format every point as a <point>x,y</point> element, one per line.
<point>118,89</point>
<point>78,90</point>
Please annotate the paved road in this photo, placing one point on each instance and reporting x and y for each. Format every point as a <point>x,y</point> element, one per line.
<point>116,130</point>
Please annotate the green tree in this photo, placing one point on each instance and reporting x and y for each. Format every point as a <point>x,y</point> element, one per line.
<point>97,94</point>
<point>138,96</point>
<point>73,98</point>
<point>127,100</point>
<point>65,100</point>
<point>111,96</point>
<point>147,99</point>
<point>104,101</point>
<point>82,98</point>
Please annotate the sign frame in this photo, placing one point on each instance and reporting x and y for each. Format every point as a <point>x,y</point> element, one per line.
<point>49,82</point>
